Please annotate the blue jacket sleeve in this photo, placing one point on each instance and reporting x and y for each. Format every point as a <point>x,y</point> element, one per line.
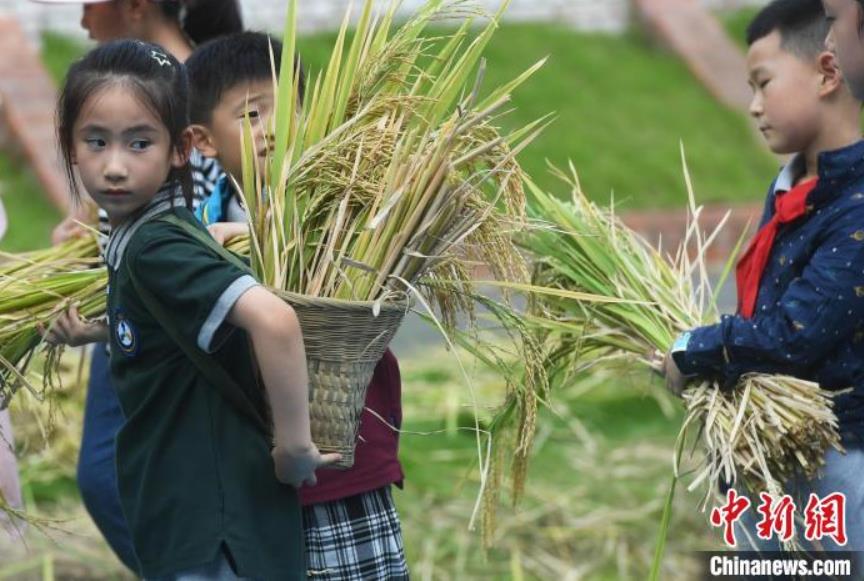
<point>819,309</point>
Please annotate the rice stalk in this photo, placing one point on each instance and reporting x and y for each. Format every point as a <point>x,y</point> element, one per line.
<point>35,288</point>
<point>393,165</point>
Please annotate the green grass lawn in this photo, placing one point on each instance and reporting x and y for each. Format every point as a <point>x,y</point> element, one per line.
<point>31,215</point>
<point>736,24</point>
<point>600,471</point>
<point>622,108</point>
<point>58,52</point>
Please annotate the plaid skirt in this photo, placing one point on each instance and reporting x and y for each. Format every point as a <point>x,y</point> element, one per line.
<point>356,538</point>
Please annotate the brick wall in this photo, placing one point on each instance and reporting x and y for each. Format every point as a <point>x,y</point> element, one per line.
<point>602,15</point>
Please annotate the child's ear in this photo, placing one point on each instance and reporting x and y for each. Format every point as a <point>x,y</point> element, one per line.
<point>203,141</point>
<point>829,69</point>
<point>180,154</point>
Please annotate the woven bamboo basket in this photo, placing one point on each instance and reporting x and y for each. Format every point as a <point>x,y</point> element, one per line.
<point>344,342</point>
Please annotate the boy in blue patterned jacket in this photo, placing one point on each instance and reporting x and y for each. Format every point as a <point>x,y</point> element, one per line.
<point>801,281</point>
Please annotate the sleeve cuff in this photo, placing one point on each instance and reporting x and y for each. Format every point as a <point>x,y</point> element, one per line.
<point>684,366</point>
<point>679,352</point>
<point>681,342</point>
<point>221,309</point>
<point>700,352</point>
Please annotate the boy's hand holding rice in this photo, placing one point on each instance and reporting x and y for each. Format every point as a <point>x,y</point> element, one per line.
<point>225,232</point>
<point>676,382</point>
<point>663,364</point>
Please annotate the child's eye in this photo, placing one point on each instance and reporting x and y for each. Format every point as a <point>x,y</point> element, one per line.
<point>252,114</point>
<point>139,144</point>
<point>95,143</point>
<point>762,84</point>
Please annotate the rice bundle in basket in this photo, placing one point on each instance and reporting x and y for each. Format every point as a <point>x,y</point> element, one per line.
<point>391,180</point>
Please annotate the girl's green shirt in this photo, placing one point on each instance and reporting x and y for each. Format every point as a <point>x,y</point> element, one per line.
<point>195,475</point>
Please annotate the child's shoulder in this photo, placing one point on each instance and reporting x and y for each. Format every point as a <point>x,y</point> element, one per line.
<point>840,219</point>
<point>164,230</point>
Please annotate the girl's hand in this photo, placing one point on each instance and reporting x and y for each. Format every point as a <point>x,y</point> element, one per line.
<point>70,329</point>
<point>277,342</point>
<point>297,466</point>
<point>68,229</point>
<point>224,232</point>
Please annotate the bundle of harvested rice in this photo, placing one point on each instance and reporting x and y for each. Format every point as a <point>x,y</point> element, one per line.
<point>393,169</point>
<point>35,287</point>
<point>607,293</point>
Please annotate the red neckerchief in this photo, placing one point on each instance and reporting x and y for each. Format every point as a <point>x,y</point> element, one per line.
<point>788,207</point>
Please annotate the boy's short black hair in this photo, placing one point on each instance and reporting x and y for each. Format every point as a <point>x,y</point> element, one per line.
<point>223,63</point>
<point>802,26</point>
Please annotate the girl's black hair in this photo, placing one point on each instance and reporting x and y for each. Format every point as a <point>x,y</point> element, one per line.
<point>156,77</point>
<point>203,20</point>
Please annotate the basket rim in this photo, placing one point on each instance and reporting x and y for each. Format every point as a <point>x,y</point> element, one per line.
<point>390,305</point>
